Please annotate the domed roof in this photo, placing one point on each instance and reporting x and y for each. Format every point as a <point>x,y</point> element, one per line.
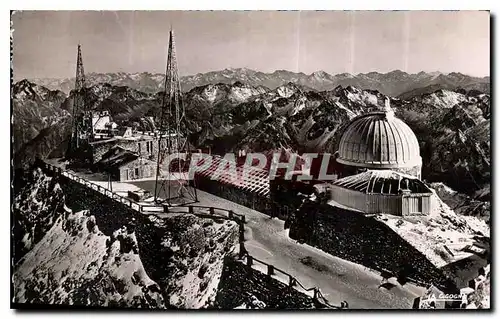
<point>382,182</point>
<point>379,140</point>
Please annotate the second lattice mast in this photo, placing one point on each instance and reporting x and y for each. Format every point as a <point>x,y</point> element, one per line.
<point>81,132</point>
<point>172,184</point>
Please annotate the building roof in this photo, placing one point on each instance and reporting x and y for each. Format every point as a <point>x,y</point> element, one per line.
<point>383,182</point>
<point>379,140</point>
<point>117,157</point>
<point>256,180</point>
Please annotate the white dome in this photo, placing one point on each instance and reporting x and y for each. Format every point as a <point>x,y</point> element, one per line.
<point>379,140</point>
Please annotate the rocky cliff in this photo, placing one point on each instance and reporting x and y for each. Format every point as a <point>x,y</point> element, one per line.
<point>79,248</point>
<point>75,246</point>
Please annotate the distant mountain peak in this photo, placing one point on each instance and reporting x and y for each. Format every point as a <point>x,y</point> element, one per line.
<point>25,88</point>
<point>319,72</point>
<point>397,72</point>
<point>373,73</point>
<point>344,75</point>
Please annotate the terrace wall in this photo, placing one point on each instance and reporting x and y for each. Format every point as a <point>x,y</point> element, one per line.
<point>355,237</point>
<point>238,281</point>
<point>234,194</point>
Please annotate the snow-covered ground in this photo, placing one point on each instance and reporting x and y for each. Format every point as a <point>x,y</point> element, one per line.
<point>78,265</point>
<point>439,233</point>
<point>444,99</point>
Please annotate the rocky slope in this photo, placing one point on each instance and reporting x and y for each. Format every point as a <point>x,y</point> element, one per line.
<point>392,83</point>
<point>76,248</point>
<point>453,129</point>
<point>38,202</point>
<point>34,108</point>
<point>76,264</point>
<point>478,206</point>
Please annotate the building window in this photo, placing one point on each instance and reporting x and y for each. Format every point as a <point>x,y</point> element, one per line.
<point>147,147</point>
<point>136,172</point>
<point>139,147</point>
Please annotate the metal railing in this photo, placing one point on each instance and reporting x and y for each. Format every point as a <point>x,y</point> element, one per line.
<point>202,211</point>
<point>293,282</point>
<point>146,207</point>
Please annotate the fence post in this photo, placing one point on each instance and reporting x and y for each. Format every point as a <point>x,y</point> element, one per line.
<point>291,281</point>
<point>270,270</point>
<point>230,214</point>
<point>315,296</point>
<point>242,250</point>
<point>241,233</point>
<point>191,209</point>
<point>140,207</point>
<point>249,260</point>
<point>243,219</point>
<point>165,208</point>
<point>212,210</point>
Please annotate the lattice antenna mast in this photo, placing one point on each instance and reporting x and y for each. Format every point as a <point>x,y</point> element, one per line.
<point>80,73</point>
<point>82,119</point>
<point>173,133</point>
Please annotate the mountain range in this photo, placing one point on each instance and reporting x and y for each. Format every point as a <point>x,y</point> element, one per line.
<point>230,117</point>
<point>394,83</point>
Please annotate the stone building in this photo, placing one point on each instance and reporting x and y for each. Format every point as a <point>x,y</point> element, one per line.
<point>144,144</point>
<point>124,165</point>
<point>102,125</point>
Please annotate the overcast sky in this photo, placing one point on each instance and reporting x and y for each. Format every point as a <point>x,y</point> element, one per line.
<point>334,41</point>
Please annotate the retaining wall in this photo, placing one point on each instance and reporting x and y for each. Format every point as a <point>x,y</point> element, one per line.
<point>363,240</point>
<point>239,281</point>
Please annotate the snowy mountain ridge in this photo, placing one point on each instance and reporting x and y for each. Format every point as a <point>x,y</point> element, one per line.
<point>392,83</point>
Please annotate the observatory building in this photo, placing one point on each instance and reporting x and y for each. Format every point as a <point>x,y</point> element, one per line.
<point>377,141</point>
<point>383,191</point>
<point>381,167</point>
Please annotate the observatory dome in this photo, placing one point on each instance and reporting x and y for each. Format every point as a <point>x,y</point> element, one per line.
<point>380,141</point>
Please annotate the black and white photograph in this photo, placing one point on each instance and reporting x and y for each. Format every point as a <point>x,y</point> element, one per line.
<point>250,160</point>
